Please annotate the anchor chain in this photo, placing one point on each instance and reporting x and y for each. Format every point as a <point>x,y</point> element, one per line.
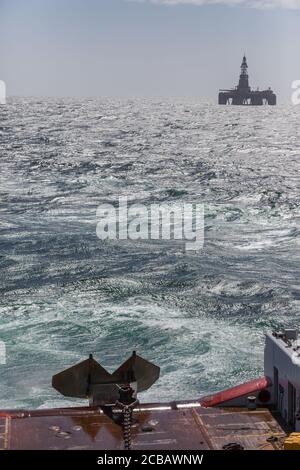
<point>127,403</point>
<point>127,420</point>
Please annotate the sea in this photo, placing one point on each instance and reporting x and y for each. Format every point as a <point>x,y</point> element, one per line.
<point>199,315</point>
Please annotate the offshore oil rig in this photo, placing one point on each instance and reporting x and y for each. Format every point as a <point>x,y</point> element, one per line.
<point>243,95</point>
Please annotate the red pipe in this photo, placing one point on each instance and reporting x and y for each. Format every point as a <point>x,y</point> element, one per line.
<point>236,392</point>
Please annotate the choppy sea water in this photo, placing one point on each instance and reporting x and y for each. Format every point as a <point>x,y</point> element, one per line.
<point>200,316</point>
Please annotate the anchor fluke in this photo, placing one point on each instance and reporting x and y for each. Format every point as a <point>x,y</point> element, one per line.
<point>77,381</point>
<point>137,369</point>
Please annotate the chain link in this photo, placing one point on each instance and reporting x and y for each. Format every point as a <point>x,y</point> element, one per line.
<point>127,420</point>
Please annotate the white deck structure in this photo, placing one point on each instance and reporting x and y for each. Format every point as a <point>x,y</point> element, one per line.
<point>282,366</point>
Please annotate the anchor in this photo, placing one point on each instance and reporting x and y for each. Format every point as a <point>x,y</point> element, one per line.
<point>115,394</point>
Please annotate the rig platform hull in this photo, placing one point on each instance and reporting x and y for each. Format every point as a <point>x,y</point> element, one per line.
<point>254,98</point>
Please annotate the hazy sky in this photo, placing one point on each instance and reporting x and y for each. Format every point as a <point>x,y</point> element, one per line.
<point>147,47</point>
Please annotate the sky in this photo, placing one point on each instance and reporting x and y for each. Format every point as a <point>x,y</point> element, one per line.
<point>147,48</point>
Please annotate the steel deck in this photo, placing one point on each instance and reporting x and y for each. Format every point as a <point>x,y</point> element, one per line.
<point>157,427</point>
